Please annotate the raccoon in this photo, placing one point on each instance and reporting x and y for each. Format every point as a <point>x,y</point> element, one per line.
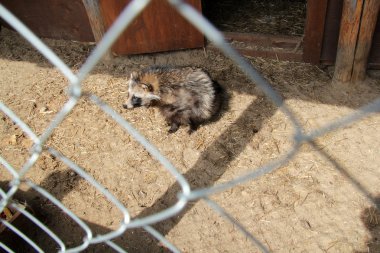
<point>184,95</point>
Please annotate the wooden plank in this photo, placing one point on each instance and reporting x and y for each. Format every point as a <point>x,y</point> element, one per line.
<point>314,30</point>
<point>278,47</point>
<point>366,31</point>
<point>348,36</point>
<point>58,19</point>
<point>331,34</point>
<point>268,54</point>
<point>272,54</point>
<point>158,28</point>
<point>95,17</point>
<point>96,22</point>
<point>267,40</point>
<point>371,65</point>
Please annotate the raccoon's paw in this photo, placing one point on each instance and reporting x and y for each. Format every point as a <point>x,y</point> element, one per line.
<point>193,126</point>
<point>173,128</point>
<point>192,129</point>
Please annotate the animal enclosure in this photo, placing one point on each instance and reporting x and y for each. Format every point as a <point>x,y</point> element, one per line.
<point>290,165</point>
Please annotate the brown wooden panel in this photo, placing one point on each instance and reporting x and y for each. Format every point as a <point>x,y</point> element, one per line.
<point>367,28</point>
<point>348,37</point>
<point>95,18</point>
<point>158,28</point>
<point>269,54</point>
<point>279,47</point>
<point>314,30</point>
<point>331,34</point>
<point>267,40</point>
<point>59,19</point>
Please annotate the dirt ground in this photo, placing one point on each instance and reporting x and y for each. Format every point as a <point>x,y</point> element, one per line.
<point>315,203</point>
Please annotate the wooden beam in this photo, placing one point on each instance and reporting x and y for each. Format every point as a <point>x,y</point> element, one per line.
<point>348,35</point>
<point>366,31</point>
<point>279,47</point>
<point>97,22</point>
<point>314,30</point>
<point>270,54</point>
<point>265,40</point>
<point>331,32</point>
<point>95,17</point>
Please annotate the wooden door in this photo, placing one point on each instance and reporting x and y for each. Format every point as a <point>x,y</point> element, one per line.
<point>158,28</point>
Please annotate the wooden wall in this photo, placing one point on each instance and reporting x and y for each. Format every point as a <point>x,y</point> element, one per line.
<point>158,28</point>
<point>331,31</point>
<point>58,19</point>
<point>331,36</point>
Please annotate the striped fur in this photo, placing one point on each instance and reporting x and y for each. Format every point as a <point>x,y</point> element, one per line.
<point>184,95</point>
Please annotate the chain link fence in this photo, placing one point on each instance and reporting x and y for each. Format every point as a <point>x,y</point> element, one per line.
<point>186,194</point>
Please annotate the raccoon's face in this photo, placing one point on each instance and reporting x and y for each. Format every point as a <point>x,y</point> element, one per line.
<point>139,93</point>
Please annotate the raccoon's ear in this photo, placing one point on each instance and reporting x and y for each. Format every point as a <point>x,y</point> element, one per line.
<point>134,75</point>
<point>147,87</point>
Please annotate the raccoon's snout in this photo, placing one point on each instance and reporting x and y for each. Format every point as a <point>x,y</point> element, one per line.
<point>136,101</point>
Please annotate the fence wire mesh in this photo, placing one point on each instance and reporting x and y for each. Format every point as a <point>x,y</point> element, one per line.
<point>186,194</point>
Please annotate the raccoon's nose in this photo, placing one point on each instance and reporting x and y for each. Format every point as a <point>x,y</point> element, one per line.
<point>136,101</point>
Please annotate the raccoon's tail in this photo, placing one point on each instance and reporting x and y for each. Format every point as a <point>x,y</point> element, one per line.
<point>219,94</point>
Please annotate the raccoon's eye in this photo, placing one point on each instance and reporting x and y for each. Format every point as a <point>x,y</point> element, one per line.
<point>147,87</point>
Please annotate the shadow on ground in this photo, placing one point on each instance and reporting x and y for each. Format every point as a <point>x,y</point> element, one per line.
<point>371,219</point>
